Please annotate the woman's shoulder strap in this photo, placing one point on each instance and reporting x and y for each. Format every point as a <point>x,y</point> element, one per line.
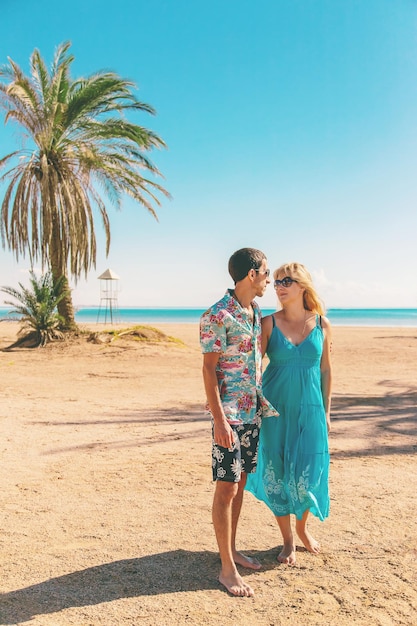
<point>265,320</point>
<point>319,320</point>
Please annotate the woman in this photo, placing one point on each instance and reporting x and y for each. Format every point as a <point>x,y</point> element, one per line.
<point>293,457</point>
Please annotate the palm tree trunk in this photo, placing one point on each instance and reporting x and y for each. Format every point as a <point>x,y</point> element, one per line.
<point>65,307</point>
<point>58,264</point>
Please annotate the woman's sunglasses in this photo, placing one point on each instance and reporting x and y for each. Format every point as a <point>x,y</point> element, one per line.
<point>284,282</point>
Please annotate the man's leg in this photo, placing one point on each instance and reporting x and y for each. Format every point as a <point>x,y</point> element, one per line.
<point>223,520</point>
<point>238,557</point>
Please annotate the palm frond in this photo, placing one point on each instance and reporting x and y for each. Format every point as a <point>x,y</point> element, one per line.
<point>37,306</point>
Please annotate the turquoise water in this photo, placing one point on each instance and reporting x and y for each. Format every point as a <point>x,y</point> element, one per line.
<point>338,317</point>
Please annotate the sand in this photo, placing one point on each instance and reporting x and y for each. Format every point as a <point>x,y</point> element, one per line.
<point>106,491</point>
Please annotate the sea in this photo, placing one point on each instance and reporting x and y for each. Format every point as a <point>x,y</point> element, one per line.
<point>145,315</point>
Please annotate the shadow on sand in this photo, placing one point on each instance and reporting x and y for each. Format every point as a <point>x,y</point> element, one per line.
<point>391,422</point>
<point>167,572</point>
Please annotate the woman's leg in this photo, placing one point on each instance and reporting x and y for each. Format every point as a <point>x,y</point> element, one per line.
<point>287,554</point>
<point>310,543</point>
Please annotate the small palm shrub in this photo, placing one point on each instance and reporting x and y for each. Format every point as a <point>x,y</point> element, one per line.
<point>37,307</point>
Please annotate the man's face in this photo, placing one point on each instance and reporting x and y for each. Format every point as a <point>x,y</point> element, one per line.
<point>262,279</point>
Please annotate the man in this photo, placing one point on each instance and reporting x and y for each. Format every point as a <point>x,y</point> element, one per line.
<point>230,336</point>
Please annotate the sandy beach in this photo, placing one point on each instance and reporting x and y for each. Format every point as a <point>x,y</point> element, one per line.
<point>106,490</point>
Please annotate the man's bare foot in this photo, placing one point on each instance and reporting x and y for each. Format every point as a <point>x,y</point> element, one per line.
<point>287,554</point>
<point>246,561</point>
<point>236,585</point>
<point>310,543</point>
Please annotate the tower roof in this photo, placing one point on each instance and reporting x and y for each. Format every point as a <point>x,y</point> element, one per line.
<point>109,275</point>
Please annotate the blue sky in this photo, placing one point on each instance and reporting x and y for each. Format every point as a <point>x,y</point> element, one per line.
<point>291,127</point>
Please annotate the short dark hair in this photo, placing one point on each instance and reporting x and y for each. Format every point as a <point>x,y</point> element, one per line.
<point>244,260</point>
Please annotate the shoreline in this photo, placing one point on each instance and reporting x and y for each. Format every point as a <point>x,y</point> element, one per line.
<point>355,318</point>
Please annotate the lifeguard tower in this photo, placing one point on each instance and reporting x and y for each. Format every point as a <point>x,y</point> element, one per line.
<point>109,292</point>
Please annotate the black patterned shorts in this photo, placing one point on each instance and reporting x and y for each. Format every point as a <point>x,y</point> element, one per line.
<point>229,463</point>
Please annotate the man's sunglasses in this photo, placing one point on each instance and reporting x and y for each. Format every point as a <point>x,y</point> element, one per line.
<point>285,282</point>
<point>265,273</point>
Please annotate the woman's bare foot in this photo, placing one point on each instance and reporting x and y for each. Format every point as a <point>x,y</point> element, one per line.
<point>287,554</point>
<point>310,543</point>
<point>246,561</point>
<point>235,585</point>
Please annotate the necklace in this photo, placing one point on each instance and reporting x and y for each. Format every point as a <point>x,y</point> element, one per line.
<point>305,322</point>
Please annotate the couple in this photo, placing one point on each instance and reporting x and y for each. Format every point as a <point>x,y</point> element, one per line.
<point>286,462</point>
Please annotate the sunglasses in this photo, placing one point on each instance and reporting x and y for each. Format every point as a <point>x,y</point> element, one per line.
<point>265,273</point>
<point>284,282</point>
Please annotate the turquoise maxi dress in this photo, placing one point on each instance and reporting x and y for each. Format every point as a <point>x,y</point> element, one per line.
<point>293,458</point>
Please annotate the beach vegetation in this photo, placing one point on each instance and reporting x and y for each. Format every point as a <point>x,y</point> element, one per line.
<point>141,333</point>
<point>80,153</point>
<point>37,308</point>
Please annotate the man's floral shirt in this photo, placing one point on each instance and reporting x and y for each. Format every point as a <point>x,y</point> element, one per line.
<point>227,329</point>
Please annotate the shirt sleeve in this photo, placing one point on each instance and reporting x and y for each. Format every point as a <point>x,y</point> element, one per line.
<point>213,332</point>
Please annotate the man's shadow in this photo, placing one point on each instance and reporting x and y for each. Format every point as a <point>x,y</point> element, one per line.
<point>167,572</point>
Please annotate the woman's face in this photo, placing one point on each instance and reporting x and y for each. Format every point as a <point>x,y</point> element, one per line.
<point>287,289</point>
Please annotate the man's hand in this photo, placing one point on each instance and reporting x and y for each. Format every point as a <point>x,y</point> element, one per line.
<point>223,434</point>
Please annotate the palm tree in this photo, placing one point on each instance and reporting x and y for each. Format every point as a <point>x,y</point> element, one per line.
<point>82,150</point>
<point>37,307</point>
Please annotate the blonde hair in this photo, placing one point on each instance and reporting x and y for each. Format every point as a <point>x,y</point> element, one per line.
<point>299,273</point>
